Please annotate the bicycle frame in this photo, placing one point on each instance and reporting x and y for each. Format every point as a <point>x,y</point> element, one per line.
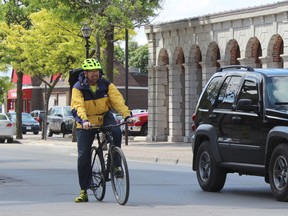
<point>100,151</point>
<point>113,166</point>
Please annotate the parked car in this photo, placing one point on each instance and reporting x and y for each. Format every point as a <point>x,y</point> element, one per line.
<point>38,115</point>
<point>29,124</point>
<point>117,116</point>
<point>140,125</point>
<point>59,120</point>
<point>135,111</point>
<point>241,125</point>
<point>6,129</point>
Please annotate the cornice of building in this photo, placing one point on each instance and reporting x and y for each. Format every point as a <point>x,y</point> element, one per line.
<point>225,16</point>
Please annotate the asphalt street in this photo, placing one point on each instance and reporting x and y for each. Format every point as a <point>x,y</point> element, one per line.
<point>137,149</point>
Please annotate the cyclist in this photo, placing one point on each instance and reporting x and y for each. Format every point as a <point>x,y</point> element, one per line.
<point>92,99</point>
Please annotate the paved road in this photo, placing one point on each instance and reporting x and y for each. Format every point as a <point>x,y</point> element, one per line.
<point>137,148</point>
<point>40,178</point>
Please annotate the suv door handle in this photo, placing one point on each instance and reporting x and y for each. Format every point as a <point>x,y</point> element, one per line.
<point>236,119</point>
<point>212,116</point>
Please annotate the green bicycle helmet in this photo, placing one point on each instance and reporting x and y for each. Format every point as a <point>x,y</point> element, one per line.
<point>91,64</point>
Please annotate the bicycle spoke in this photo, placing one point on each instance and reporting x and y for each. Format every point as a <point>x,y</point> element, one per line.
<point>120,176</point>
<point>98,183</point>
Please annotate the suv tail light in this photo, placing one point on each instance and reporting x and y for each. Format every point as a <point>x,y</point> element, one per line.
<point>193,127</point>
<point>37,119</point>
<point>9,125</point>
<point>194,117</point>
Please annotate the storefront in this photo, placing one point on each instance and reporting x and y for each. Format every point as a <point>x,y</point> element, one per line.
<point>26,100</point>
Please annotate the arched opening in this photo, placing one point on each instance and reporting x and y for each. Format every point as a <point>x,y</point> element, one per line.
<point>254,51</point>
<point>232,52</point>
<point>179,60</point>
<point>213,55</point>
<point>195,59</point>
<point>275,49</point>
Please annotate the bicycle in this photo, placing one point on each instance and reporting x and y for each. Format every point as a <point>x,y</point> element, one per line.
<point>109,166</point>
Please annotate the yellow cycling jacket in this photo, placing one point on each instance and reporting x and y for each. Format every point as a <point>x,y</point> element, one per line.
<point>89,106</point>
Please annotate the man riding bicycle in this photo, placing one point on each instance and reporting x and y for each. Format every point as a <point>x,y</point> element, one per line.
<point>92,99</point>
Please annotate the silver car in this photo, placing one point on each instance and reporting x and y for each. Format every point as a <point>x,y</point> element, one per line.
<point>59,120</point>
<point>6,129</point>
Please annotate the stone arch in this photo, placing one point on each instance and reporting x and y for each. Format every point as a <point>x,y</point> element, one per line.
<point>163,57</point>
<point>179,57</point>
<point>158,120</point>
<point>275,49</point>
<point>213,54</point>
<point>195,57</point>
<point>232,52</point>
<point>178,80</point>
<point>254,51</point>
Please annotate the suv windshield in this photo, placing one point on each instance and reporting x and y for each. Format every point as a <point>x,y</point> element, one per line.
<point>26,117</point>
<point>67,111</point>
<point>277,89</point>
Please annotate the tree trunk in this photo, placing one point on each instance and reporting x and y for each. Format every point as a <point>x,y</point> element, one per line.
<point>19,106</point>
<point>44,122</point>
<point>109,37</point>
<point>48,90</point>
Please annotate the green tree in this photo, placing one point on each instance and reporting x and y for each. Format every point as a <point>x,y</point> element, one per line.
<point>43,45</point>
<point>14,12</point>
<point>5,86</point>
<point>109,18</point>
<point>138,55</point>
<point>139,58</point>
<point>43,53</point>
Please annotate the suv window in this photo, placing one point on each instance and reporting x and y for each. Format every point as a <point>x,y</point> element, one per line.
<point>249,91</point>
<point>67,111</point>
<point>277,89</point>
<point>210,94</point>
<point>228,92</point>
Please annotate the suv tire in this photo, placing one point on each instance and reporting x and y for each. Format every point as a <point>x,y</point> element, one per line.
<point>49,132</point>
<point>211,178</point>
<point>278,172</point>
<point>63,129</point>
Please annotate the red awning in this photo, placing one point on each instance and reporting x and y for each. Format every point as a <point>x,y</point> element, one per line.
<point>27,94</point>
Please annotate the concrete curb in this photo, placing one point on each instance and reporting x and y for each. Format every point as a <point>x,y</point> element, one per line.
<point>137,149</point>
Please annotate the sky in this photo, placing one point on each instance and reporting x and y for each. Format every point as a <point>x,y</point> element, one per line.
<point>180,9</point>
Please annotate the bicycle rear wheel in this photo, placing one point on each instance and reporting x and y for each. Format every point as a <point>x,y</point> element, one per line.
<point>98,183</point>
<point>119,176</point>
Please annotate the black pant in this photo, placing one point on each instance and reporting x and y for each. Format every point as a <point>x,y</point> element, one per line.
<point>85,140</point>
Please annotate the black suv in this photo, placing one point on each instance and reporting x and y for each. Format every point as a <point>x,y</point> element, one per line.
<point>241,125</point>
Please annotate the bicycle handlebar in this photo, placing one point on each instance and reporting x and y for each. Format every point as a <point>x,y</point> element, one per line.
<point>95,126</point>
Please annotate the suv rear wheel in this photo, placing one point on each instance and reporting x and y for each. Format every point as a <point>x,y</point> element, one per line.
<point>210,177</point>
<point>278,173</point>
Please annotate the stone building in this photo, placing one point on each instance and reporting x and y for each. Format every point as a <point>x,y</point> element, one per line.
<point>184,54</point>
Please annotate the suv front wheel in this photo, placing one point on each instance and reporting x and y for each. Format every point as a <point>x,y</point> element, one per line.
<point>278,173</point>
<point>49,132</point>
<point>211,178</point>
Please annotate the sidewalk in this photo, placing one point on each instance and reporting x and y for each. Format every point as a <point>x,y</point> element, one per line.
<point>137,149</point>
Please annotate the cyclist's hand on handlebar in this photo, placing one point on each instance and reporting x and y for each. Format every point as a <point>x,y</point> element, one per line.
<point>86,125</point>
<point>130,119</point>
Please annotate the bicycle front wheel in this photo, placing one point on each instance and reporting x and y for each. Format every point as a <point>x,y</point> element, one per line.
<point>119,176</point>
<point>98,182</point>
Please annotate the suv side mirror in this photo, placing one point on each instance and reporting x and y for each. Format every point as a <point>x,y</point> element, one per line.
<point>246,105</point>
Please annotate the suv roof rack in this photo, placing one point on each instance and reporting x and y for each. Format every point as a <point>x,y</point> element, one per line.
<point>248,68</point>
